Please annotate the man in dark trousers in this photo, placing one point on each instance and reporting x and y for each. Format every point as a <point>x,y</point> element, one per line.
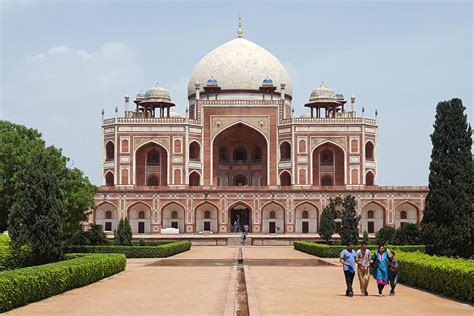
<point>347,258</point>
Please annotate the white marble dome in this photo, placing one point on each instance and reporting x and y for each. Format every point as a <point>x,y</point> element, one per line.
<point>157,92</point>
<point>322,93</point>
<point>239,64</point>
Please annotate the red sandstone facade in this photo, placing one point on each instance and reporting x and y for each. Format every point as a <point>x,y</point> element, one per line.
<point>242,153</point>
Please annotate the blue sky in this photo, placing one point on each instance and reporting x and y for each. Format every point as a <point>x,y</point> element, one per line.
<point>63,61</point>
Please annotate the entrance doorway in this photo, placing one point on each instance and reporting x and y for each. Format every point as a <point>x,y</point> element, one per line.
<point>141,227</point>
<point>272,227</point>
<point>305,228</point>
<point>239,218</point>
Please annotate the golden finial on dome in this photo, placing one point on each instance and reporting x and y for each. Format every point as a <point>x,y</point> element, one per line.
<point>240,34</point>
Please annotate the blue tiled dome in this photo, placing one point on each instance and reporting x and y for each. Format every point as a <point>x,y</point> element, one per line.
<point>211,81</point>
<point>267,81</point>
<point>339,94</point>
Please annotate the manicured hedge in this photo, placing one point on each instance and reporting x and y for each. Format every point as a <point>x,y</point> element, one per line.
<point>329,251</point>
<point>22,286</point>
<point>453,277</point>
<point>162,251</point>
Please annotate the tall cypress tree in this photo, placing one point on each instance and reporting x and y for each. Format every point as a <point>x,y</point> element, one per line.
<point>350,221</point>
<point>448,218</point>
<point>34,223</point>
<point>327,227</point>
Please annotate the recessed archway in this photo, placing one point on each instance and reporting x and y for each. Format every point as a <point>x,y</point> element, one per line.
<point>151,159</point>
<point>239,150</point>
<point>240,216</point>
<point>139,215</point>
<point>328,165</point>
<point>172,216</point>
<point>306,218</point>
<point>273,218</point>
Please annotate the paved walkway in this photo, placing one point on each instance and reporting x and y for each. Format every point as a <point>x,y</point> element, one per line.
<point>150,289</point>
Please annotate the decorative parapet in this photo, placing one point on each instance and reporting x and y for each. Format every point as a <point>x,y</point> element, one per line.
<point>155,120</point>
<point>340,120</point>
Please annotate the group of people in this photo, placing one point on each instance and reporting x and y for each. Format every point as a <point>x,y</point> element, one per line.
<point>383,263</point>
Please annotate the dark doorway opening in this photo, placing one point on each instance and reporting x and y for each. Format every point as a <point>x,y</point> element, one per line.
<point>207,226</point>
<point>141,227</point>
<point>305,227</point>
<point>239,217</point>
<point>174,224</point>
<point>272,227</point>
<point>370,227</point>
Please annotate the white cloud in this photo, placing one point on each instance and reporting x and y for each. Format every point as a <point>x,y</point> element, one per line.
<point>58,50</point>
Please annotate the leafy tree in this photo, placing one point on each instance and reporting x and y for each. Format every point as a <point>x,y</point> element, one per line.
<point>448,220</point>
<point>366,237</point>
<point>350,220</point>
<point>123,234</point>
<point>34,221</point>
<point>78,200</point>
<point>408,234</point>
<point>385,235</point>
<point>327,227</point>
<point>95,235</point>
<point>18,144</point>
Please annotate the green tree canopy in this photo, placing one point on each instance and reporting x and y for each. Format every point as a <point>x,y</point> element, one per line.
<point>448,218</point>
<point>18,144</point>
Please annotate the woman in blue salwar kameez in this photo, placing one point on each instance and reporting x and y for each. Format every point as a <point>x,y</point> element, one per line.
<point>380,260</point>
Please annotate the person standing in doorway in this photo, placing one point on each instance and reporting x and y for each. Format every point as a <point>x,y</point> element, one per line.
<point>363,261</point>
<point>380,260</point>
<point>347,258</point>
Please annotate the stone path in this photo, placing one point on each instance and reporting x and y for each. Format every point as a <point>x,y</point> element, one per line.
<point>203,289</point>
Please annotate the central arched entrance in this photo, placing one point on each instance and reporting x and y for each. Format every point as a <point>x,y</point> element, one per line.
<point>240,216</point>
<point>239,157</point>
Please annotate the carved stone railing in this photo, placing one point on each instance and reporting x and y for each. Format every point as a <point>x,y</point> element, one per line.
<point>321,120</point>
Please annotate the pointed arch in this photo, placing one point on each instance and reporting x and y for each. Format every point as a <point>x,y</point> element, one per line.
<point>285,150</point>
<point>344,152</point>
<point>285,178</point>
<point>273,217</point>
<point>369,150</point>
<point>109,178</point>
<point>140,179</point>
<point>194,178</point>
<point>109,150</point>
<point>194,150</point>
<point>253,128</point>
<point>409,219</point>
<point>370,178</point>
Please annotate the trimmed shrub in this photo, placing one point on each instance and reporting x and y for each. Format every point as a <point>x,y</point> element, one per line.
<point>385,235</point>
<point>162,251</point>
<point>452,277</point>
<point>408,234</point>
<point>4,240</point>
<point>329,251</point>
<point>22,286</point>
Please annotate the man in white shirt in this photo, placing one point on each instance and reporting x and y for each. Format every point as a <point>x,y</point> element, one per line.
<point>363,261</point>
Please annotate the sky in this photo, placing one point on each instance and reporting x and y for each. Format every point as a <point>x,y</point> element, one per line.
<point>62,62</point>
